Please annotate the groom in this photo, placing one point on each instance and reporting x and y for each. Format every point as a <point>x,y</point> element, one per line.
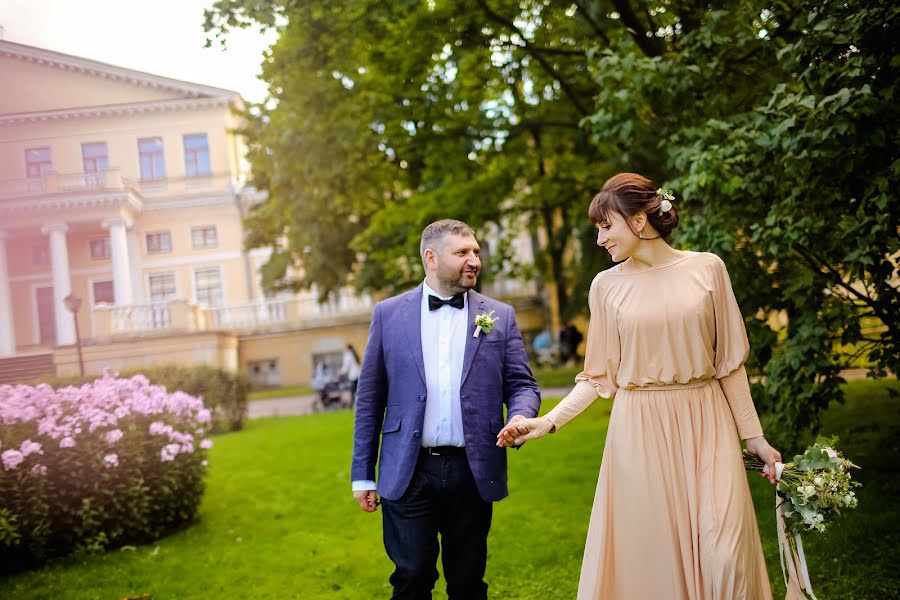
<point>433,389</point>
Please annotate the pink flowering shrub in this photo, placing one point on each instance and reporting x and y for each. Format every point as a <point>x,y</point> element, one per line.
<point>112,462</point>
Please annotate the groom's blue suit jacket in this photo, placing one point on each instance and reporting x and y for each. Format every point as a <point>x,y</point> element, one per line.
<point>391,396</point>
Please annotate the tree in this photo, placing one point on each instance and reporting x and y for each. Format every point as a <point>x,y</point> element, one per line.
<point>774,122</point>
<point>778,125</point>
<point>388,115</point>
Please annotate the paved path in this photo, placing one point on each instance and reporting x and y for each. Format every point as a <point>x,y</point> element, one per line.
<point>304,405</point>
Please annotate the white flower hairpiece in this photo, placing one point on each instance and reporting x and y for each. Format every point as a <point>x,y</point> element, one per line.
<point>666,204</point>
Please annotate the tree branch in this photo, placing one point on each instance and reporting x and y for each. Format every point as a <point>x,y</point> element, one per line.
<point>566,88</point>
<point>582,11</point>
<point>650,46</point>
<point>546,50</point>
<point>824,269</point>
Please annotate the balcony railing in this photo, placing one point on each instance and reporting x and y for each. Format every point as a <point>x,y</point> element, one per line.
<point>111,180</point>
<point>140,317</point>
<point>181,315</point>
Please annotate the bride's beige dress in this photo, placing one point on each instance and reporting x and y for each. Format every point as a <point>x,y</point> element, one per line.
<point>672,517</point>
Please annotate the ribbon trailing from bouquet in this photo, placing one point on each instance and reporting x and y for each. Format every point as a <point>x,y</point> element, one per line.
<point>790,551</point>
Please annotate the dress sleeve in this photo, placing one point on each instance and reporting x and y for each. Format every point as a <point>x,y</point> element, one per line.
<point>601,362</point>
<point>732,349</point>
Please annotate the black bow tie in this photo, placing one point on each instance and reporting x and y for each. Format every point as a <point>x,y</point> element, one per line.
<point>457,301</point>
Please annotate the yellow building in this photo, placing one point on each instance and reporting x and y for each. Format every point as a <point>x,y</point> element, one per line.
<point>127,190</point>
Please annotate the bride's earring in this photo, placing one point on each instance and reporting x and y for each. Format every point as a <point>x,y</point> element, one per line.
<point>641,234</point>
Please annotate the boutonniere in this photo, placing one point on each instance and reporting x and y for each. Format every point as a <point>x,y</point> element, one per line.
<point>485,323</point>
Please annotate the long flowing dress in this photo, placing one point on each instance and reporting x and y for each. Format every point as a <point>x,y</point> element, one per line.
<point>673,516</point>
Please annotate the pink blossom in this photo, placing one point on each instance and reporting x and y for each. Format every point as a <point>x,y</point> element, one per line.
<point>113,436</point>
<point>12,459</point>
<point>29,447</point>
<point>206,444</point>
<point>66,442</point>
<point>187,448</point>
<point>111,460</point>
<point>204,416</point>
<point>39,469</point>
<point>169,452</point>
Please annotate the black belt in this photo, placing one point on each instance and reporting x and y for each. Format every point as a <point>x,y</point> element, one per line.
<point>444,450</point>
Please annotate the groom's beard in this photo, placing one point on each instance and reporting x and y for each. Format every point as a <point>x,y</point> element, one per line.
<point>466,281</point>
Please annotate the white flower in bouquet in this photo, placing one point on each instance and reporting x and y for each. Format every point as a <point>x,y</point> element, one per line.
<point>814,486</point>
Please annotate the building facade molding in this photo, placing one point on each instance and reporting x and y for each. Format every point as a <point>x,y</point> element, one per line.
<point>67,62</point>
<point>68,201</point>
<point>115,110</point>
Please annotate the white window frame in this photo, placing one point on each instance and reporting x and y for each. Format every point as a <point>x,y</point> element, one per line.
<point>149,294</point>
<point>103,279</point>
<point>147,235</point>
<point>205,245</point>
<point>194,271</point>
<point>108,247</point>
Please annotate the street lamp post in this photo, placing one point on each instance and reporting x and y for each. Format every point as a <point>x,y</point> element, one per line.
<point>73,303</point>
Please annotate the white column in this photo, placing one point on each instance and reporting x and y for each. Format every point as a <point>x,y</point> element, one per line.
<point>7,333</point>
<point>62,282</point>
<point>134,259</point>
<point>121,260</point>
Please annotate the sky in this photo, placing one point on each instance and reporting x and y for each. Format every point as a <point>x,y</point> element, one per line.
<point>163,37</point>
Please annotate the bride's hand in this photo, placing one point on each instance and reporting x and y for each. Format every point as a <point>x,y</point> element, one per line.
<point>769,455</point>
<point>519,430</point>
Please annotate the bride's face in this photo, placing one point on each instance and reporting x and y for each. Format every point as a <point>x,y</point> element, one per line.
<point>617,237</point>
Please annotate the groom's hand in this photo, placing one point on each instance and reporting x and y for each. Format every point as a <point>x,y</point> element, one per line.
<point>519,430</point>
<point>367,499</point>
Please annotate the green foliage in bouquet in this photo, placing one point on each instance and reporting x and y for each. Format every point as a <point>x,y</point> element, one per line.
<point>814,487</point>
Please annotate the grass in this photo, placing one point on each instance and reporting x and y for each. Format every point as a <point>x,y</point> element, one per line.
<point>278,521</point>
<point>282,392</point>
<point>559,377</point>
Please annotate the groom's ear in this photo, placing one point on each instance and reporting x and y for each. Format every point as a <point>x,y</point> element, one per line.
<point>429,258</point>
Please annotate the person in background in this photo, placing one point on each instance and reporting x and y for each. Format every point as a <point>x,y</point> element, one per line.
<point>350,370</point>
<point>322,376</point>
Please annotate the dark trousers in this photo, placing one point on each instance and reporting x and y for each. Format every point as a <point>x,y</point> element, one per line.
<point>441,500</point>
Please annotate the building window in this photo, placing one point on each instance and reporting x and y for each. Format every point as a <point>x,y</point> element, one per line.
<point>204,237</point>
<point>103,292</point>
<point>153,165</point>
<point>196,155</point>
<point>159,242</point>
<point>101,249</point>
<point>208,284</point>
<point>37,162</point>
<point>40,255</point>
<point>95,157</point>
<point>162,287</point>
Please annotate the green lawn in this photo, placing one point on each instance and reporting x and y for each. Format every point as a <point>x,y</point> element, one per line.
<point>278,520</point>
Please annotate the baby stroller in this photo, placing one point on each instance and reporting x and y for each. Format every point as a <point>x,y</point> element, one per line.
<point>336,394</point>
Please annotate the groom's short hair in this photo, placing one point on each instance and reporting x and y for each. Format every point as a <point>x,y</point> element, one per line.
<point>434,233</point>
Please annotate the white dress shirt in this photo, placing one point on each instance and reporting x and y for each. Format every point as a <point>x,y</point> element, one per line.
<point>443,334</point>
<point>443,348</point>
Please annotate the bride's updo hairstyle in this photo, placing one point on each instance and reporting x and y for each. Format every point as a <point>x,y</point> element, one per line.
<point>629,194</point>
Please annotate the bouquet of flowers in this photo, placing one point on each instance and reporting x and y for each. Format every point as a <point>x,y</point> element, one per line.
<point>812,489</point>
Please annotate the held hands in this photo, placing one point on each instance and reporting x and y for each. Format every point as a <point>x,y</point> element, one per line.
<point>367,499</point>
<point>769,455</point>
<point>519,430</point>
